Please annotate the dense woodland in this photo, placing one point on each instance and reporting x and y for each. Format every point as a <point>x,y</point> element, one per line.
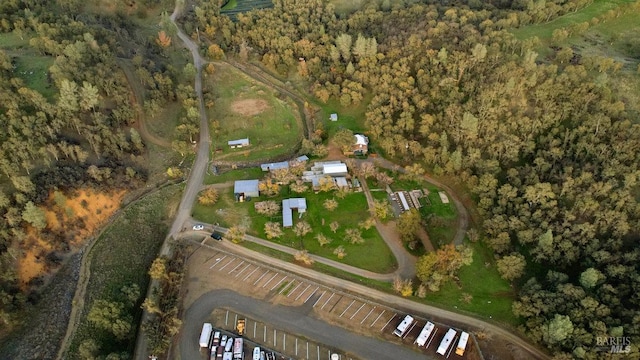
<point>548,148</point>
<point>81,134</point>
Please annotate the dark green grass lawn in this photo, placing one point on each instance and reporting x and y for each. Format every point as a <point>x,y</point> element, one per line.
<point>373,255</point>
<point>492,296</point>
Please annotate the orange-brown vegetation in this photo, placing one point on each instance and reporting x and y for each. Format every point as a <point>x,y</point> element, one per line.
<point>82,213</point>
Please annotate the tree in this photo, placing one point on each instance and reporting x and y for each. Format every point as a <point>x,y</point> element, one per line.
<point>268,208</point>
<point>34,215</point>
<point>344,139</point>
<point>326,183</point>
<point>511,267</point>
<point>381,209</point>
<point>208,197</point>
<point>89,349</point>
<point>368,223</point>
<point>235,234</point>
<point>302,228</point>
<point>298,187</point>
<point>158,269</point>
<point>163,39</point>
<point>558,329</point>
<point>590,278</point>
<point>269,187</point>
<point>340,252</point>
<point>89,96</point>
<point>174,172</point>
<point>303,257</point>
<point>323,240</point>
<point>330,204</point>
<point>408,224</point>
<point>334,226</point>
<point>273,230</point>
<point>354,236</point>
<point>111,316</point>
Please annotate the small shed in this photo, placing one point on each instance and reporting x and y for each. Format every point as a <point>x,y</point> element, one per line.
<point>303,158</point>
<point>274,166</point>
<point>238,143</point>
<point>288,205</point>
<point>333,117</point>
<point>341,182</point>
<point>339,169</point>
<point>244,188</point>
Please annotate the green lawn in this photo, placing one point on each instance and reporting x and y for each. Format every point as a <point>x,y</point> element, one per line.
<point>230,5</point>
<point>545,30</point>
<point>122,256</point>
<point>492,296</point>
<point>245,108</point>
<point>351,117</point>
<point>33,71</point>
<point>232,175</point>
<point>373,255</point>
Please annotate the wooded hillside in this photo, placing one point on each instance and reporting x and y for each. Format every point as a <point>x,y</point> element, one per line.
<point>548,148</point>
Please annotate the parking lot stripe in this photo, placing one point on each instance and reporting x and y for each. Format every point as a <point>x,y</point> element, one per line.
<point>227,264</point>
<point>432,337</point>
<point>276,285</point>
<point>288,286</point>
<point>385,325</point>
<point>370,311</point>
<point>273,277</point>
<point>265,333</point>
<point>275,339</point>
<point>451,349</point>
<point>309,297</point>
<point>255,325</point>
<point>294,290</point>
<point>226,318</point>
<point>374,321</point>
<point>211,257</point>
<point>251,273</point>
<point>307,349</point>
<point>345,310</point>
<point>303,291</point>
<point>217,262</point>
<point>318,347</point>
<point>337,302</point>
<point>412,326</point>
<point>354,314</point>
<point>236,267</point>
<point>323,292</point>
<point>325,303</point>
<point>284,342</point>
<point>260,278</point>
<point>296,346</point>
<point>243,269</point>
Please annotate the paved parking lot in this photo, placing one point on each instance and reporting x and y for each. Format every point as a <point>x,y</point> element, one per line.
<point>266,336</point>
<point>351,312</point>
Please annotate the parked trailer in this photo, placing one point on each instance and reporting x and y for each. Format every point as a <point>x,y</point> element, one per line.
<point>256,353</point>
<point>446,342</point>
<point>227,356</point>
<point>426,332</point>
<point>404,326</point>
<point>462,344</point>
<point>205,335</point>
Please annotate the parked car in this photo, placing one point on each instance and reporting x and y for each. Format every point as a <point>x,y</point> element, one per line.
<point>198,227</point>
<point>216,236</point>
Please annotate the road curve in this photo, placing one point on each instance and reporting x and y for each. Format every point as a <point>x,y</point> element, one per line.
<point>294,320</point>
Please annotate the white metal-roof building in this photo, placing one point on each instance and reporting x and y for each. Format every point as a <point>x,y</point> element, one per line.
<point>333,117</point>
<point>339,169</point>
<point>288,205</point>
<point>238,143</point>
<point>246,188</point>
<point>274,166</point>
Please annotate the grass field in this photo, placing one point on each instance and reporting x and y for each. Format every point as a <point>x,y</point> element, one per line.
<point>351,117</point>
<point>245,108</point>
<point>545,30</point>
<point>492,296</point>
<point>373,255</point>
<point>232,175</point>
<point>122,256</point>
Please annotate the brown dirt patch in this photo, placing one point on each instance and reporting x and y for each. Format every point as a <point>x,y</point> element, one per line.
<point>249,107</point>
<point>88,207</point>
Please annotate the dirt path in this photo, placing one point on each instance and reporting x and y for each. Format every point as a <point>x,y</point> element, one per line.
<point>137,101</point>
